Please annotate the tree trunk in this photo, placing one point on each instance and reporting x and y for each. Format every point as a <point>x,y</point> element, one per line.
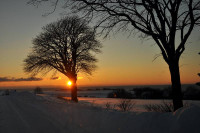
<point>176,85</point>
<point>74,90</point>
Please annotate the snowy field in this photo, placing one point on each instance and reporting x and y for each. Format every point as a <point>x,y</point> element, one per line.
<point>138,103</point>
<point>98,98</point>
<point>24,112</point>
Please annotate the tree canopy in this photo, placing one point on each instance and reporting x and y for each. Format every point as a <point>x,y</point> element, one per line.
<point>67,45</point>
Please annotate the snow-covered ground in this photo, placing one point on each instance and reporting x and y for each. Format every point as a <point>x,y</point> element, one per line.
<point>84,93</point>
<point>24,112</point>
<point>138,103</point>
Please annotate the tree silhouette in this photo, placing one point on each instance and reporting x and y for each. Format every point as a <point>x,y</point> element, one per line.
<point>198,83</point>
<point>168,22</point>
<point>68,46</point>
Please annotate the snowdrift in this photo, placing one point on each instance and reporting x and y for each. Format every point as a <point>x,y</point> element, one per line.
<point>23,112</point>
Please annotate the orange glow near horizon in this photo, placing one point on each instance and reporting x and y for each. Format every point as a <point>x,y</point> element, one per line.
<point>134,77</point>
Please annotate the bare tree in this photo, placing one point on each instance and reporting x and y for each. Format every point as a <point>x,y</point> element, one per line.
<point>168,22</point>
<point>67,46</point>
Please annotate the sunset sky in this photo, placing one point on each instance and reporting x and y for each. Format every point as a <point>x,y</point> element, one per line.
<point>124,60</point>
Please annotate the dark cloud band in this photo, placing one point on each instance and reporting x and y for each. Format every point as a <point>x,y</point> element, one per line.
<point>6,79</point>
<point>54,78</point>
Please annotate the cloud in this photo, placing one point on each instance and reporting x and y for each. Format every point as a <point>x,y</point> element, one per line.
<point>55,78</point>
<point>6,79</point>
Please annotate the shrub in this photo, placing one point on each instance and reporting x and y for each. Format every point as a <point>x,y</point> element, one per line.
<point>7,92</point>
<point>163,107</point>
<point>38,90</point>
<point>167,93</point>
<point>148,93</point>
<point>109,106</point>
<point>126,104</point>
<point>120,93</point>
<point>191,93</point>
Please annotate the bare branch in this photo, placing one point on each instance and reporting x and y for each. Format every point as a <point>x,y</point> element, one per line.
<point>66,46</point>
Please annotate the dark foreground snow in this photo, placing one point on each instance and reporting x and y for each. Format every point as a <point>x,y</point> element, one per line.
<point>23,112</point>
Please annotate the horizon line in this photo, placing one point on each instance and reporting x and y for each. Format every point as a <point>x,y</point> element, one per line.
<point>106,85</point>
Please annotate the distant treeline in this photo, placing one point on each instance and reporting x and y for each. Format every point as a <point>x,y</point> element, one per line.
<point>190,93</point>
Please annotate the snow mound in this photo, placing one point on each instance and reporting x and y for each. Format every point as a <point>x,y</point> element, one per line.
<point>27,112</point>
<point>25,94</point>
<point>187,119</point>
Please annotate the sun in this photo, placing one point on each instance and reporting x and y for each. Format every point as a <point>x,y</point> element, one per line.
<point>69,83</point>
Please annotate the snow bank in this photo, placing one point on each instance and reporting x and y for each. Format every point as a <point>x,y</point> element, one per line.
<point>24,112</point>
<point>187,120</point>
<point>92,120</point>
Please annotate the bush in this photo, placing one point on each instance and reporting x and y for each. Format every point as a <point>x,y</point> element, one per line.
<point>167,93</point>
<point>38,90</point>
<point>126,104</point>
<point>191,93</point>
<point>120,93</point>
<point>163,107</point>
<point>109,106</point>
<point>147,93</point>
<point>7,92</point>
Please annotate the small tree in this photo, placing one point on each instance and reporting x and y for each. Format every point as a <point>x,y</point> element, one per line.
<point>38,90</point>
<point>66,46</point>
